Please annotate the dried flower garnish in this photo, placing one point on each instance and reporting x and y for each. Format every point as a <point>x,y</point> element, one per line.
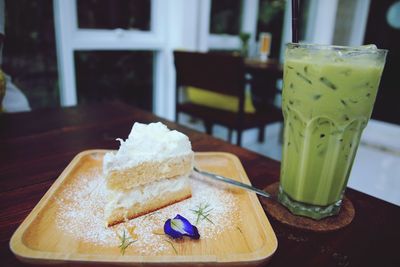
<point>203,213</point>
<point>158,231</point>
<point>179,227</point>
<point>131,231</point>
<point>126,241</point>
<point>172,245</point>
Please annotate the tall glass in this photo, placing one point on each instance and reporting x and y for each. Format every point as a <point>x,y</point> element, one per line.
<point>327,100</point>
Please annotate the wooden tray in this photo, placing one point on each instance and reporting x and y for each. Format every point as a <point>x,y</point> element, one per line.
<point>249,239</point>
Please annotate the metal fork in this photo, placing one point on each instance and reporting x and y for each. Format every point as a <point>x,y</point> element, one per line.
<point>235,183</point>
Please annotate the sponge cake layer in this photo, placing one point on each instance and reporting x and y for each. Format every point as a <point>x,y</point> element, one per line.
<point>140,200</point>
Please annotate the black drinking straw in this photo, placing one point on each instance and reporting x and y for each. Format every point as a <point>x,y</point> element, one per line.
<point>295,19</point>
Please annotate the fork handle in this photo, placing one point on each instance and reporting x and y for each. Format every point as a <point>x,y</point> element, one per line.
<point>235,183</point>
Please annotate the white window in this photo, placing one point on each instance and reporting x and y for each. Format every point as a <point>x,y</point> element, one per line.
<point>82,32</point>
<point>172,24</point>
<point>222,21</point>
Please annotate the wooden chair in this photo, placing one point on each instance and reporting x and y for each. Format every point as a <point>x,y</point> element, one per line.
<point>223,74</point>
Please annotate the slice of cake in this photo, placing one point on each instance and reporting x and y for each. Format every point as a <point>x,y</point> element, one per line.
<point>149,171</point>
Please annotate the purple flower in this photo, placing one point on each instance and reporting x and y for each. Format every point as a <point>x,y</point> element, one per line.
<point>179,227</point>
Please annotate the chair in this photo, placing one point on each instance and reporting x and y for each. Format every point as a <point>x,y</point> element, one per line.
<point>224,74</point>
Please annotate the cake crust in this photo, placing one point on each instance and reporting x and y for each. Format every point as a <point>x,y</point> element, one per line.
<point>121,215</point>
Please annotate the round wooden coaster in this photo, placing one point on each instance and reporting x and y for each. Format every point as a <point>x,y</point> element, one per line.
<point>283,215</point>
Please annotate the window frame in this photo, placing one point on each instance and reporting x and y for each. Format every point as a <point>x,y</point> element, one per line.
<point>176,24</point>
<point>321,22</point>
<point>208,40</point>
<point>70,38</point>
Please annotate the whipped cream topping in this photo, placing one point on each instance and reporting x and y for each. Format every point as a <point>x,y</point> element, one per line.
<point>147,142</point>
<point>143,194</point>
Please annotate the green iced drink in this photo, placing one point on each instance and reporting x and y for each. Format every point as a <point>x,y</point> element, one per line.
<point>327,100</point>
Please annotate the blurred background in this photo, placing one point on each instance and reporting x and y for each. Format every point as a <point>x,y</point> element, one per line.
<point>70,52</point>
<point>64,53</point>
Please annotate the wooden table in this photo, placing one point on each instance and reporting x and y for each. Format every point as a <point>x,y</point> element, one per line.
<point>36,146</point>
<point>269,65</point>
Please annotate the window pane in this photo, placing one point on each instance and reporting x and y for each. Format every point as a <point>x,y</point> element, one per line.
<point>108,75</point>
<point>270,19</point>
<point>111,14</point>
<point>29,53</point>
<point>225,16</point>
<point>344,20</point>
<point>304,14</point>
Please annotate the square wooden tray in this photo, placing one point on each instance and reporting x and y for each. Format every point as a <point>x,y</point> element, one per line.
<point>249,240</point>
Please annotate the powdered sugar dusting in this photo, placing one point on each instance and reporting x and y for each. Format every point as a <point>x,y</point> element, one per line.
<point>81,213</point>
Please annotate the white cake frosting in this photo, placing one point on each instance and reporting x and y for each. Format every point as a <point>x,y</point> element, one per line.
<point>147,142</point>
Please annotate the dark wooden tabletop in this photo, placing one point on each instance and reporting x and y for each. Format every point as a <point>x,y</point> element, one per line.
<point>270,64</point>
<point>36,146</point>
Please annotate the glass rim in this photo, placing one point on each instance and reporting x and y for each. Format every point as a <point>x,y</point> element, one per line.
<point>334,47</point>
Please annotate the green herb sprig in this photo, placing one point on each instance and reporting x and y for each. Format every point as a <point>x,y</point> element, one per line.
<point>125,242</point>
<point>203,213</point>
<point>172,245</point>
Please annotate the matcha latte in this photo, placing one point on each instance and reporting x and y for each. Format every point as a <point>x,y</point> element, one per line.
<point>327,100</point>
